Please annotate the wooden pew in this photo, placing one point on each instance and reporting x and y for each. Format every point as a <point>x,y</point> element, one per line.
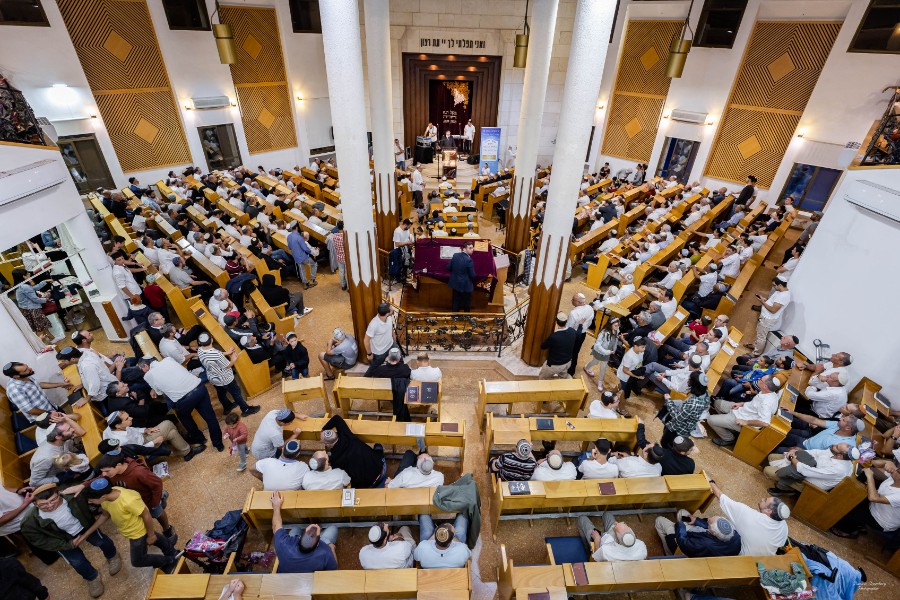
<point>691,492</point>
<point>571,392</point>
<point>754,444</point>
<point>347,389</point>
<point>389,433</point>
<point>91,420</point>
<point>148,348</point>
<point>423,584</point>
<point>301,506</point>
<point>15,468</point>
<point>273,314</point>
<point>255,377</point>
<point>180,304</point>
<point>499,431</point>
<point>823,509</point>
<point>651,575</point>
<point>305,388</point>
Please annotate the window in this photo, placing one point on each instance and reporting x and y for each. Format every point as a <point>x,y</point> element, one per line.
<point>811,186</point>
<point>85,163</point>
<point>305,16</point>
<point>186,14</point>
<point>22,12</point>
<point>677,159</point>
<point>220,146</point>
<point>719,23</point>
<point>879,30</point>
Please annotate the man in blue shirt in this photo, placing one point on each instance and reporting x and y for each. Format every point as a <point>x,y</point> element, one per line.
<point>303,255</point>
<point>314,551</point>
<point>444,547</point>
<point>842,431</point>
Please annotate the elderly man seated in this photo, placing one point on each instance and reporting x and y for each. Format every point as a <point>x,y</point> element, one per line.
<point>416,472</point>
<point>554,468</point>
<point>822,468</point>
<point>827,393</point>
<point>811,433</point>
<point>698,537</point>
<point>322,476</point>
<point>616,542</point>
<point>386,551</point>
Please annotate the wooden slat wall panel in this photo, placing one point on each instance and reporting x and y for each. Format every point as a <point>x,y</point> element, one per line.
<point>259,77</point>
<point>640,90</point>
<point>777,75</point>
<point>119,53</point>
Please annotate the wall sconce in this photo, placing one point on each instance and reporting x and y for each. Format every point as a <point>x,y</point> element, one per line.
<point>710,121</point>
<point>93,115</point>
<point>601,106</point>
<point>666,115</point>
<point>232,101</point>
<point>801,133</point>
<point>187,106</point>
<point>299,98</point>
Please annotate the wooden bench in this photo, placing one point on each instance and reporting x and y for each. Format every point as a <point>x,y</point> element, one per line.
<point>273,314</point>
<point>176,296</point>
<point>302,506</point>
<point>255,377</point>
<point>499,431</point>
<point>375,584</point>
<point>148,348</point>
<point>350,388</point>
<point>754,444</point>
<point>570,392</point>
<point>823,509</point>
<point>90,419</point>
<point>649,575</point>
<point>390,433</point>
<point>15,468</point>
<point>305,388</point>
<point>558,498</point>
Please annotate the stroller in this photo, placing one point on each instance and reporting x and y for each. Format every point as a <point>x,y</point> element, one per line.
<point>210,550</point>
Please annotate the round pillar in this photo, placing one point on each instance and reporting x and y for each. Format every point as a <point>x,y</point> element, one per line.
<point>534,90</point>
<point>343,64</point>
<point>587,55</point>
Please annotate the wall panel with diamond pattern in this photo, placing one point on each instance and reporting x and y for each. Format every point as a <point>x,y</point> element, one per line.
<point>640,90</point>
<point>119,54</point>
<point>777,76</point>
<point>259,78</point>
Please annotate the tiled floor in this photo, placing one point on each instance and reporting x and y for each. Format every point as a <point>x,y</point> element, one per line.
<point>207,487</point>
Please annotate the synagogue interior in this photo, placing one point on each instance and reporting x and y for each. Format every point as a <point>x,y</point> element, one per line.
<point>395,277</point>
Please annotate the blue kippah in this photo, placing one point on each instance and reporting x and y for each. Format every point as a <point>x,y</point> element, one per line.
<point>100,484</point>
<point>292,446</point>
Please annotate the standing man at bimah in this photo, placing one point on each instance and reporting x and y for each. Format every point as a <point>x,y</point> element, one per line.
<point>462,272</point>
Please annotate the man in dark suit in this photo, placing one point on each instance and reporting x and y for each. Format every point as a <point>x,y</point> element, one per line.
<point>462,272</point>
<point>448,142</point>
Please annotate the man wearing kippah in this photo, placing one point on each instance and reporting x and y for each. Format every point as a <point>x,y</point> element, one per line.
<point>698,537</point>
<point>616,542</point>
<point>416,472</point>
<point>515,466</point>
<point>269,436</point>
<point>386,551</point>
<point>284,472</point>
<point>444,547</point>
<point>559,346</point>
<point>757,412</point>
<point>132,519</point>
<point>365,464</point>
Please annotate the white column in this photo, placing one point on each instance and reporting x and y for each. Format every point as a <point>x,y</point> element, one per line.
<point>381,107</point>
<point>81,234</point>
<point>343,63</point>
<point>537,71</point>
<point>587,54</point>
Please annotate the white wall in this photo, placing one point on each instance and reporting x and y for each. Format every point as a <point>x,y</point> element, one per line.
<point>845,285</point>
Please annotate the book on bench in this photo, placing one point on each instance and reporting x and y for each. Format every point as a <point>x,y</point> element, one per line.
<point>412,394</point>
<point>545,424</point>
<point>607,488</point>
<point>450,427</point>
<point>539,596</point>
<point>519,488</point>
<point>579,573</point>
<point>429,392</point>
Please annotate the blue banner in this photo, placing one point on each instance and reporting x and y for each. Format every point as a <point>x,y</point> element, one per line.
<point>490,149</point>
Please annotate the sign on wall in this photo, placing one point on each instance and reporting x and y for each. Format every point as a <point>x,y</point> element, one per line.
<point>490,149</point>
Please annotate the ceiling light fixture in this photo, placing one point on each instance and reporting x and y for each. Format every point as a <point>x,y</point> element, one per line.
<point>678,50</point>
<point>224,39</point>
<point>521,55</point>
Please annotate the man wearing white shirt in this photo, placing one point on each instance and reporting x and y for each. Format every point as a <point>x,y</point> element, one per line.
<point>604,407</point>
<point>96,371</point>
<point>215,303</point>
<point>416,186</point>
<point>757,412</point>
<point>731,263</point>
<point>597,465</point>
<point>828,393</point>
<point>580,319</point>
<point>693,216</point>
<point>424,371</point>
<point>673,274</point>
<point>770,314</point>
<point>169,346</point>
<point>667,303</point>
<point>554,468</point>
<point>838,362</point>
<point>707,279</point>
<point>284,472</point>
<point>643,464</point>
<point>185,393</point>
<point>322,476</point>
<point>616,542</point>
<point>468,137</point>
<point>415,472</point>
<point>763,530</point>
<point>387,551</point>
<point>823,468</point>
<point>123,277</point>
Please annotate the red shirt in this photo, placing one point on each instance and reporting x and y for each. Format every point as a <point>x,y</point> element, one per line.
<point>697,329</point>
<point>237,432</point>
<point>337,240</point>
<point>156,298</point>
<point>142,480</point>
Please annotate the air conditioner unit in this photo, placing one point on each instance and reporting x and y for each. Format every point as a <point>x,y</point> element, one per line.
<point>32,178</point>
<point>687,116</point>
<point>211,102</point>
<point>876,198</point>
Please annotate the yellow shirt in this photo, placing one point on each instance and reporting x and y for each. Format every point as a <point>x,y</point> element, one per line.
<point>125,513</point>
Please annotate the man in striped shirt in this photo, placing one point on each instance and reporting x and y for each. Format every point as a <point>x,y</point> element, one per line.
<point>219,370</point>
<point>515,466</point>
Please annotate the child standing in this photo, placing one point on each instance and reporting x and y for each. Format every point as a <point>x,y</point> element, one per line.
<point>236,432</point>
